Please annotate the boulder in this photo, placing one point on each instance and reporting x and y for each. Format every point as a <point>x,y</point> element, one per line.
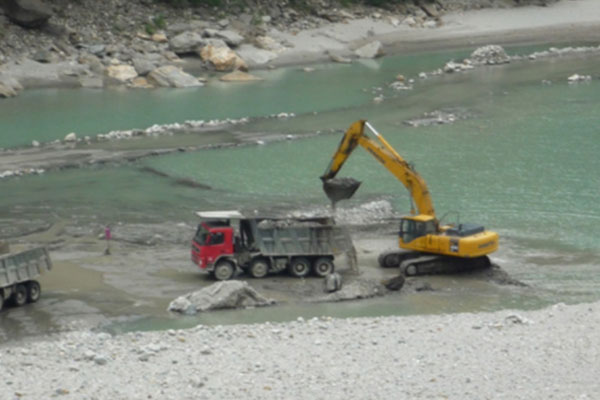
<point>394,283</point>
<point>171,76</point>
<point>140,83</point>
<point>143,65</point>
<point>121,72</point>
<point>186,42</point>
<point>239,76</point>
<point>232,38</point>
<point>490,55</point>
<point>222,58</point>
<point>27,13</point>
<point>254,56</point>
<point>159,37</point>
<point>71,137</point>
<point>370,50</point>
<point>9,87</point>
<point>220,295</point>
<point>268,43</point>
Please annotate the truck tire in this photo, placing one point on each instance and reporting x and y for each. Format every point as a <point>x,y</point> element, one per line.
<point>19,297</point>
<point>1,300</point>
<point>33,291</point>
<point>259,268</point>
<point>224,270</point>
<point>299,267</point>
<point>323,266</point>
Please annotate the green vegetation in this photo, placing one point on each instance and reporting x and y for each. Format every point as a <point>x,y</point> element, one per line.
<point>155,24</point>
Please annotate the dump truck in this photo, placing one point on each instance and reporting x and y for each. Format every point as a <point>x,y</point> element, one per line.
<point>18,272</point>
<point>426,246</point>
<point>228,240</point>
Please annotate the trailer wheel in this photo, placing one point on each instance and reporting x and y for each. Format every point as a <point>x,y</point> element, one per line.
<point>323,266</point>
<point>259,268</point>
<point>33,291</point>
<point>224,270</point>
<point>19,297</point>
<point>300,267</point>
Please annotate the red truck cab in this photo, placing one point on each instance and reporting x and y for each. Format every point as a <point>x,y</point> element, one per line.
<point>212,242</point>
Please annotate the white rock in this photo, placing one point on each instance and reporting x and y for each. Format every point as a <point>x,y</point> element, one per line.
<point>370,50</point>
<point>71,137</point>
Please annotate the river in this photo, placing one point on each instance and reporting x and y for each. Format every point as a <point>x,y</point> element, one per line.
<point>521,159</point>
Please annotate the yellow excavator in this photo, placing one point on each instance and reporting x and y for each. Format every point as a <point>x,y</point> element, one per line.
<point>426,246</point>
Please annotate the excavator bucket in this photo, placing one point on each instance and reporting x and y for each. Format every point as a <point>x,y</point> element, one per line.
<point>338,189</point>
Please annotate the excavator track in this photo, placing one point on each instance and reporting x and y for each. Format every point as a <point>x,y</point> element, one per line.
<point>432,264</point>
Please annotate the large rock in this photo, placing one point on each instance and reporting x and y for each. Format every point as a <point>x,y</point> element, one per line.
<point>232,38</point>
<point>222,58</point>
<point>370,50</point>
<point>220,295</point>
<point>186,42</point>
<point>490,55</point>
<point>121,72</point>
<point>268,43</point>
<point>239,76</point>
<point>255,56</point>
<point>27,13</point>
<point>170,76</point>
<point>9,87</point>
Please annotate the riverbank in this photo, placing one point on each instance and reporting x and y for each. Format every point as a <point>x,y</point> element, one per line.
<point>550,353</point>
<point>187,50</point>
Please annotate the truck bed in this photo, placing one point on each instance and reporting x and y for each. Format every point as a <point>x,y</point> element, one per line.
<point>23,266</point>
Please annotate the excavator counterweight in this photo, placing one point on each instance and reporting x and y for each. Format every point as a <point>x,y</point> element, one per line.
<point>425,245</point>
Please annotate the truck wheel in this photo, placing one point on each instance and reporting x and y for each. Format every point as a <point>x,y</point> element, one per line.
<point>300,267</point>
<point>1,300</point>
<point>33,291</point>
<point>224,270</point>
<point>323,266</point>
<point>19,297</point>
<point>259,268</point>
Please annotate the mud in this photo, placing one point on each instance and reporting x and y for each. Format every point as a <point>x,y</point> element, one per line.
<point>149,266</point>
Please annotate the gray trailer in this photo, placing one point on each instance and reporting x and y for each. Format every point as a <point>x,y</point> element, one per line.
<point>18,272</point>
<point>227,240</point>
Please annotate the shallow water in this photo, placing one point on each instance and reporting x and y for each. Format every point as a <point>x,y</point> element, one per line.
<point>524,162</point>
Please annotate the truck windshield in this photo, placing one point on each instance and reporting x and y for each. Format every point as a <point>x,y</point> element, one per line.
<point>201,235</point>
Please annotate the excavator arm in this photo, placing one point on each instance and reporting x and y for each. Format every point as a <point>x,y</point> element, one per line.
<point>388,157</point>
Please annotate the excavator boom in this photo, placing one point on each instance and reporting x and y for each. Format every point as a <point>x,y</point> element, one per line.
<point>387,156</point>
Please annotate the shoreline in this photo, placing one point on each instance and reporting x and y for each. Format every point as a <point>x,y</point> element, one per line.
<point>564,22</point>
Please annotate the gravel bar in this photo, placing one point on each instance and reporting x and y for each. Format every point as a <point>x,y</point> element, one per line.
<point>552,353</point>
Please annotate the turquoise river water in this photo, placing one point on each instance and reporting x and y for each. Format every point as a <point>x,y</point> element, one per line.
<point>523,161</point>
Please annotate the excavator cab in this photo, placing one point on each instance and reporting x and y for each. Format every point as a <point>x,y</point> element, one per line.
<point>414,227</point>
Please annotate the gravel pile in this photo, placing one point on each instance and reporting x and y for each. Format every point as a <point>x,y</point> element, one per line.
<point>551,353</point>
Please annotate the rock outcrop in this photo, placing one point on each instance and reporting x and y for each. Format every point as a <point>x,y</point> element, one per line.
<point>220,295</point>
<point>27,13</point>
<point>222,58</point>
<point>171,76</point>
